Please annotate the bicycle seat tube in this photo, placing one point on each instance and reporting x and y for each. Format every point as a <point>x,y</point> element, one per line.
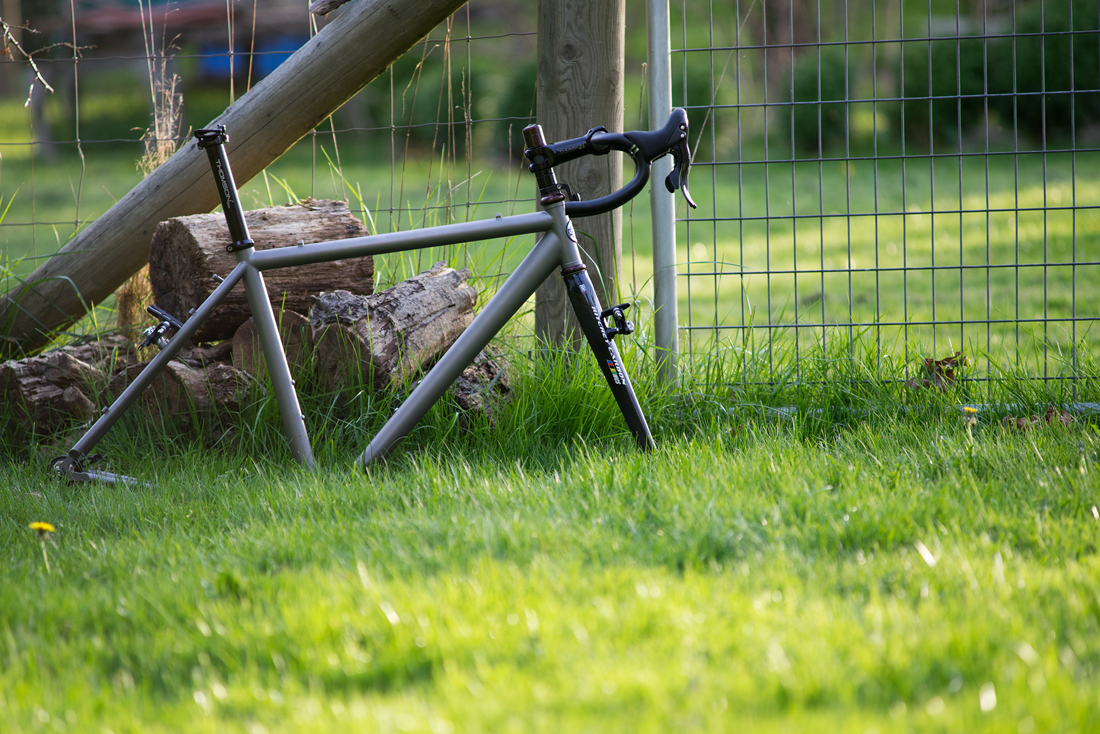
<point>213,142</point>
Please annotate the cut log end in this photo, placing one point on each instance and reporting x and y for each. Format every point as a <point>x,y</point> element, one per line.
<point>50,391</point>
<point>483,387</point>
<point>296,337</point>
<point>390,337</point>
<point>187,252</point>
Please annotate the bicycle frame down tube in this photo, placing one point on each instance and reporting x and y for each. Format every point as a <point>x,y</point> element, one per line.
<point>521,284</point>
<point>95,434</point>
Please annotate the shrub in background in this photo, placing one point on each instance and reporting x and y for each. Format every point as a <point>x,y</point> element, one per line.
<point>1048,64</point>
<point>942,83</point>
<point>693,89</point>
<point>819,87</point>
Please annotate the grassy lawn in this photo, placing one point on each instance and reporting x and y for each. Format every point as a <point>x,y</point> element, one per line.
<point>814,546</point>
<point>863,564</point>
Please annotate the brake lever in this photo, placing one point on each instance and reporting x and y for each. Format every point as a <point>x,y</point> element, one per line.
<point>672,138</point>
<point>678,177</point>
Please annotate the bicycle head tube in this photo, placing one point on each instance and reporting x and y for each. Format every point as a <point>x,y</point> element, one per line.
<point>542,165</point>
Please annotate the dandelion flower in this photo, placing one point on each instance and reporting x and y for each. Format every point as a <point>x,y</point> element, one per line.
<point>969,411</point>
<point>43,528</point>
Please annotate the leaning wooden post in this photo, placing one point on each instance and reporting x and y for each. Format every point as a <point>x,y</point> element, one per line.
<point>305,89</point>
<point>580,86</point>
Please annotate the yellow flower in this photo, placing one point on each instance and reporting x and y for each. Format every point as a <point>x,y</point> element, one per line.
<point>969,411</point>
<point>43,528</point>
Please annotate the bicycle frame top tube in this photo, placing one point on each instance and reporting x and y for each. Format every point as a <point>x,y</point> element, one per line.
<point>414,239</point>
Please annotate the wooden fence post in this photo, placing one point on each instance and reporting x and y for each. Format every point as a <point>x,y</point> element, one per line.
<point>580,86</point>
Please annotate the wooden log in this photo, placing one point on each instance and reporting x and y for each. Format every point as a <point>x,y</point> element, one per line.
<point>483,387</point>
<point>324,7</point>
<point>109,353</point>
<point>580,86</point>
<point>187,251</point>
<point>208,355</point>
<point>388,338</point>
<point>46,392</point>
<point>180,389</point>
<point>297,338</point>
<point>305,89</point>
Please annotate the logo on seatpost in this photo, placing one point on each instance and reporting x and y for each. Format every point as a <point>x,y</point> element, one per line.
<point>226,196</point>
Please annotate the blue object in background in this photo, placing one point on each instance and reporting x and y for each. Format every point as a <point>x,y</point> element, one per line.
<point>273,51</point>
<point>270,52</point>
<point>214,61</point>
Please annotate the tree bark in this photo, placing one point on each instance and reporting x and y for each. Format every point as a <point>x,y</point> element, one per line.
<point>580,86</point>
<point>388,338</point>
<point>295,334</point>
<point>181,388</point>
<point>187,251</point>
<point>109,353</point>
<point>782,26</point>
<point>50,390</point>
<point>46,392</point>
<point>335,64</point>
<point>324,7</point>
<point>483,386</point>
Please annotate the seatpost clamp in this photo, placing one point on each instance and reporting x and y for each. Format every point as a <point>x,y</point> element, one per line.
<point>211,137</point>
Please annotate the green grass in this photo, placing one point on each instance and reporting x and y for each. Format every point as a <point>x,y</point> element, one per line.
<point>861,562</point>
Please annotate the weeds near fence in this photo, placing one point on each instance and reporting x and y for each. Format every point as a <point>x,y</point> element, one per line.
<point>160,143</point>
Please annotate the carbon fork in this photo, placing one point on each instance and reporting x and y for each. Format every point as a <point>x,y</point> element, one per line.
<point>583,297</point>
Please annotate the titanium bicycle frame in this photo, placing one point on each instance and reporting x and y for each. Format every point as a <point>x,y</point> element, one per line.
<point>556,248</point>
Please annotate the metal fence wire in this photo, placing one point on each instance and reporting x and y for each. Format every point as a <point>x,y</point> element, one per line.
<point>875,177</point>
<point>915,177</point>
<point>434,139</point>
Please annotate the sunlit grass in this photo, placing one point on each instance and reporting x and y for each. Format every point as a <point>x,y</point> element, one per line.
<point>814,546</point>
<point>888,574</point>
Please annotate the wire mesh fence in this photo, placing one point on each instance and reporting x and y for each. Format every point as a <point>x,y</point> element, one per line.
<point>890,176</point>
<point>402,151</point>
<point>875,176</point>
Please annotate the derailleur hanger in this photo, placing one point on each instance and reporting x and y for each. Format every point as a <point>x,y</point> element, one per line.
<point>622,326</point>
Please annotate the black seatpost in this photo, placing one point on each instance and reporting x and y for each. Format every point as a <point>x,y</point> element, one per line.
<point>213,142</point>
